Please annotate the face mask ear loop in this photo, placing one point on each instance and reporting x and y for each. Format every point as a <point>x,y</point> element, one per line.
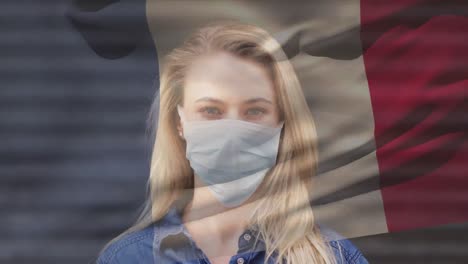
<point>281,125</point>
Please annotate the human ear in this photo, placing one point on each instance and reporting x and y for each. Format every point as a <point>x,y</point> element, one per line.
<point>180,130</point>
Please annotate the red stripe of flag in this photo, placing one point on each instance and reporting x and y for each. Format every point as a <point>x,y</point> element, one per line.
<point>416,62</point>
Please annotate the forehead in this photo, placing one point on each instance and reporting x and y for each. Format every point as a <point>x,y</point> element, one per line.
<point>226,76</point>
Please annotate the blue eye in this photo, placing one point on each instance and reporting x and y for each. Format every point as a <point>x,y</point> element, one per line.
<point>212,111</point>
<point>255,111</point>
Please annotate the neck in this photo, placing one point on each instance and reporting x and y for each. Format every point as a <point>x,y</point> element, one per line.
<point>205,211</point>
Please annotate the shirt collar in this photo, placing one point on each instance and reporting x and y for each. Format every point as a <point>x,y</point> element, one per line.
<point>171,226</point>
<point>171,223</point>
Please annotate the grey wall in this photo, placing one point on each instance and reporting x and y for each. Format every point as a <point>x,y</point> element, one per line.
<point>74,156</point>
<point>73,151</point>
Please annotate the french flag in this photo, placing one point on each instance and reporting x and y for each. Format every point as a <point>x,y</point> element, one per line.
<point>387,83</point>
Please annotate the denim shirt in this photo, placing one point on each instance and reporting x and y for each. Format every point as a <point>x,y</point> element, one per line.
<point>168,241</point>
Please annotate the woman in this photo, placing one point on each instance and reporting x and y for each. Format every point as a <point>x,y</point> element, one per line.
<point>234,154</point>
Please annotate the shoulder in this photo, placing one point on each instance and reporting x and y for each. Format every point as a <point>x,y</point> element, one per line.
<point>135,247</point>
<point>345,251</point>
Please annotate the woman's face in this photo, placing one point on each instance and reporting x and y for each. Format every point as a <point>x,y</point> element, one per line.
<point>222,86</point>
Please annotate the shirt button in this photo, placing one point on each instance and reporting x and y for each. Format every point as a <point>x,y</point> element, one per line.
<point>240,260</point>
<point>247,237</point>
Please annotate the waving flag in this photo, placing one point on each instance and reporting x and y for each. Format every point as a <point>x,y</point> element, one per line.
<point>386,82</point>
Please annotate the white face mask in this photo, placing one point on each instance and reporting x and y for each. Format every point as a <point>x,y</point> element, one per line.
<point>230,156</point>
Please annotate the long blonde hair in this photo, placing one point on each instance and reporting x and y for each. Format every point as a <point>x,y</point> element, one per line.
<point>285,220</point>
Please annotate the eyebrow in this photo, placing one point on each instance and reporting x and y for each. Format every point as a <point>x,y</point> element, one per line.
<point>258,99</point>
<point>209,99</point>
<point>250,101</point>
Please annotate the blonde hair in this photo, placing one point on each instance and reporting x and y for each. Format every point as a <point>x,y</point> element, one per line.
<point>285,220</point>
